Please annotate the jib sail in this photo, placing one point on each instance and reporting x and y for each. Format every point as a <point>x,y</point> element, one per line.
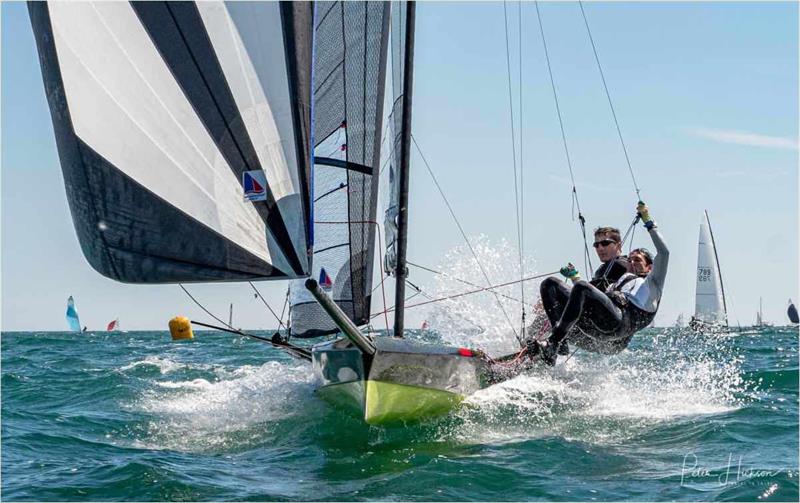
<point>395,131</point>
<point>351,41</point>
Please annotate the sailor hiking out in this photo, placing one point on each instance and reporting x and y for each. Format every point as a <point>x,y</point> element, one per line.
<point>604,320</point>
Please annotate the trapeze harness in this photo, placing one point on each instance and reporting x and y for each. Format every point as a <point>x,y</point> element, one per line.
<point>590,336</point>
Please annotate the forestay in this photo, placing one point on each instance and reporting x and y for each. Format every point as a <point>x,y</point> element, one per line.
<point>709,299</point>
<point>162,111</point>
<point>351,41</point>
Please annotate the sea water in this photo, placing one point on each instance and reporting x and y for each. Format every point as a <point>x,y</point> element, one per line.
<point>134,416</point>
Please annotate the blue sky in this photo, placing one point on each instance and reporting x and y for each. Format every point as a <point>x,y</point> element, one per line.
<point>707,99</point>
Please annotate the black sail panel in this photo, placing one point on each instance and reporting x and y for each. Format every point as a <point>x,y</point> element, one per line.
<point>161,113</point>
<point>349,72</point>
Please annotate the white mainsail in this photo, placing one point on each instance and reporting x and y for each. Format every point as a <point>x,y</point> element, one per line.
<point>709,295</point>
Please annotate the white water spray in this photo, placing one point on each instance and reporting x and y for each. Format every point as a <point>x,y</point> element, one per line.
<point>477,320</point>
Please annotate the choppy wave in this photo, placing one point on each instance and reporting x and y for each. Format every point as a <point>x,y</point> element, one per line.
<point>140,418</point>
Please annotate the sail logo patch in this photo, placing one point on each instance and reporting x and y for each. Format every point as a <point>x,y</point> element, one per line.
<point>255,185</point>
<point>325,280</point>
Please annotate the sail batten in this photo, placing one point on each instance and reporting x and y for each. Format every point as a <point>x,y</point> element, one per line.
<point>160,110</point>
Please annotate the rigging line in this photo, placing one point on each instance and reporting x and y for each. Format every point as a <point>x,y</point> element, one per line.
<point>280,322</point>
<point>429,297</point>
<point>202,307</point>
<point>513,134</point>
<point>464,235</point>
<point>479,290</point>
<point>570,355</point>
<point>558,109</point>
<point>521,176</point>
<point>462,281</point>
<point>608,96</point>
<point>563,135</point>
<point>296,351</point>
<point>587,256</point>
<point>285,303</point>
<point>624,238</point>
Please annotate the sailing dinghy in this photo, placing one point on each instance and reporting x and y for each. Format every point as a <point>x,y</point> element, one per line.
<point>381,379</point>
<point>760,323</point>
<point>71,316</point>
<point>188,134</point>
<point>791,312</point>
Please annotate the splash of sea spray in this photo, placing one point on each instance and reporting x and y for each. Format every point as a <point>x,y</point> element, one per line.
<point>664,375</point>
<point>235,407</point>
<point>477,320</point>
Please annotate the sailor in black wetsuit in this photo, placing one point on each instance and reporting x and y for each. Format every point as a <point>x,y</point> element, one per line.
<point>605,321</point>
<point>608,246</point>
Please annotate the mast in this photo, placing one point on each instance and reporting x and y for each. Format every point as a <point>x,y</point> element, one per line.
<point>405,151</point>
<point>719,269</point>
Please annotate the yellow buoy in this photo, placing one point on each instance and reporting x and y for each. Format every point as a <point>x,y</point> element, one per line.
<point>180,328</point>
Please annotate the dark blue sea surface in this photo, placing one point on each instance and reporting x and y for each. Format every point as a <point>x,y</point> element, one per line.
<point>134,416</point>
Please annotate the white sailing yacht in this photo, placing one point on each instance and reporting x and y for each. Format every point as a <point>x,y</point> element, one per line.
<point>710,311</point>
<point>760,323</point>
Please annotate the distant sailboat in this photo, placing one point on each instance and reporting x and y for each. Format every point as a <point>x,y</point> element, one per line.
<point>710,306</point>
<point>73,321</point>
<point>230,316</point>
<point>760,315</point>
<point>792,313</point>
<point>113,326</point>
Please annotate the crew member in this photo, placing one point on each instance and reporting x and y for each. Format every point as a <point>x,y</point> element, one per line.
<point>614,265</point>
<point>606,319</point>
<point>608,246</point>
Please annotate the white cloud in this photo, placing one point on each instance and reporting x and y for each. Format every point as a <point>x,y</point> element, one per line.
<point>745,138</point>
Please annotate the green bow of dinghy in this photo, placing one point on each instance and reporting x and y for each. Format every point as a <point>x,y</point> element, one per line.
<point>405,381</point>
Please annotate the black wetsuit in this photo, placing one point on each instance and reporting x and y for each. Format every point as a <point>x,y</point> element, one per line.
<point>600,313</point>
<point>615,268</point>
<point>596,321</point>
<point>604,321</point>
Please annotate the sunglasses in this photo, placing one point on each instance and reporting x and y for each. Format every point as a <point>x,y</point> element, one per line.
<point>605,242</point>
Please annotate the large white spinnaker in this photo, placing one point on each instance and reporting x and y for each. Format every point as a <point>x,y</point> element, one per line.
<point>163,113</point>
<point>709,295</point>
